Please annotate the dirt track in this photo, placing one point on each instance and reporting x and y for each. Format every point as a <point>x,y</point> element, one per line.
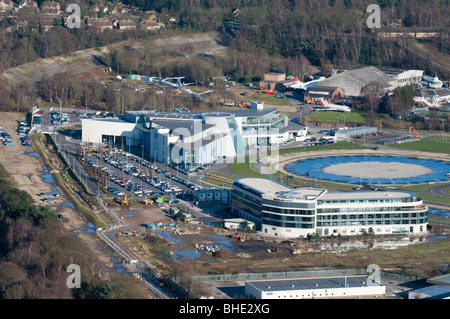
<point>28,172</point>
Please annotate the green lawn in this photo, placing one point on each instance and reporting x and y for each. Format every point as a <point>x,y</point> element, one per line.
<point>332,116</point>
<point>334,146</point>
<point>269,99</point>
<point>426,146</point>
<point>435,199</point>
<point>423,187</point>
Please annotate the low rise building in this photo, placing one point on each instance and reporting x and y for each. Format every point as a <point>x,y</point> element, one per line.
<point>314,288</point>
<point>275,81</point>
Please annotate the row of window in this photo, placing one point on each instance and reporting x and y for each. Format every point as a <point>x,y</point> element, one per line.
<point>372,222</point>
<point>291,211</point>
<point>369,201</point>
<point>367,209</point>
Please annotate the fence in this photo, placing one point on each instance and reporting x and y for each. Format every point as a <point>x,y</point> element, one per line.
<point>301,274</point>
<point>278,275</point>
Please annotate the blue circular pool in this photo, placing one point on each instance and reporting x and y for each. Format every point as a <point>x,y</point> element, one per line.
<point>371,169</point>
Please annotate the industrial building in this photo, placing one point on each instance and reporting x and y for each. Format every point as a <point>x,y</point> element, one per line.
<point>328,93</point>
<point>192,139</point>
<point>275,81</point>
<point>352,82</point>
<point>211,196</point>
<point>439,289</point>
<point>282,211</point>
<point>311,288</point>
<point>348,133</point>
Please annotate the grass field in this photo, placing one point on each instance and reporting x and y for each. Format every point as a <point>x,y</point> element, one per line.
<point>331,116</point>
<point>426,146</point>
<point>269,99</point>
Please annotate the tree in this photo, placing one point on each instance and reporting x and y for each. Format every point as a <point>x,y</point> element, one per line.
<point>372,93</point>
<point>405,95</point>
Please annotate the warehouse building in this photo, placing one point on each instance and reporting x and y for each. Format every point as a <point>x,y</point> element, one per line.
<point>349,133</point>
<point>439,289</point>
<point>352,82</point>
<point>281,211</point>
<point>328,93</point>
<point>312,288</point>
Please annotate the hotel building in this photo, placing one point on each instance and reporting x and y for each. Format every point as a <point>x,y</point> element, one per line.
<point>282,211</point>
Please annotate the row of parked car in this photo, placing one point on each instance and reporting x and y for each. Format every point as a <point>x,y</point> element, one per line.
<point>138,189</point>
<point>5,137</point>
<point>60,118</point>
<point>26,141</point>
<point>23,128</point>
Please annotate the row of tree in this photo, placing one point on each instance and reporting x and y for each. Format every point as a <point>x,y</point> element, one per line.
<point>35,251</point>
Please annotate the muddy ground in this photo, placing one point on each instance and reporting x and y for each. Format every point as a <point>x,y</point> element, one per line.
<point>29,173</point>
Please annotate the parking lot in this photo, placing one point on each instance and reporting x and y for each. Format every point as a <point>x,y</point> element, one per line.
<point>56,117</point>
<point>129,174</point>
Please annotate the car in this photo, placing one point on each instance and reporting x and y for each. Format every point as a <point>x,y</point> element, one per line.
<point>8,143</point>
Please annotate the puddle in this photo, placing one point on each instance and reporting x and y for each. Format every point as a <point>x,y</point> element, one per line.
<point>190,254</point>
<point>32,154</point>
<point>223,243</point>
<point>68,204</point>
<point>379,243</point>
<point>47,177</point>
<point>90,228</point>
<point>438,212</point>
<point>129,214</point>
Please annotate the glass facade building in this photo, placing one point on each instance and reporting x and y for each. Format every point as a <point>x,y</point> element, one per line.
<point>280,210</point>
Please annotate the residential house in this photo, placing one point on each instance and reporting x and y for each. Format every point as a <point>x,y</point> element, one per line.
<point>27,4</point>
<point>127,25</point>
<point>151,24</point>
<point>100,24</point>
<point>51,8</point>
<point>6,5</point>
<point>46,23</point>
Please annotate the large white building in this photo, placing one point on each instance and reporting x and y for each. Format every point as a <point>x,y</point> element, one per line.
<point>314,288</point>
<point>281,211</point>
<point>195,138</point>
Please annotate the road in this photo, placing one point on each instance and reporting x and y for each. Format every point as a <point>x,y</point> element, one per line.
<point>69,149</point>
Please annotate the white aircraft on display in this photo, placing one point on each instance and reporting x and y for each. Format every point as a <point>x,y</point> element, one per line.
<point>181,86</point>
<point>333,107</point>
<point>305,85</point>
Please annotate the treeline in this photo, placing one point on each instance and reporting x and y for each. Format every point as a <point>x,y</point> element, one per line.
<point>325,31</point>
<point>23,46</point>
<point>35,251</point>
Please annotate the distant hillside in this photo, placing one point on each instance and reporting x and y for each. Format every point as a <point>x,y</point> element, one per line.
<point>86,60</point>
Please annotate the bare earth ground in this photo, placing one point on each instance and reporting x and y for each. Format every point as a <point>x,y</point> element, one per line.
<point>29,174</point>
<point>84,61</point>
